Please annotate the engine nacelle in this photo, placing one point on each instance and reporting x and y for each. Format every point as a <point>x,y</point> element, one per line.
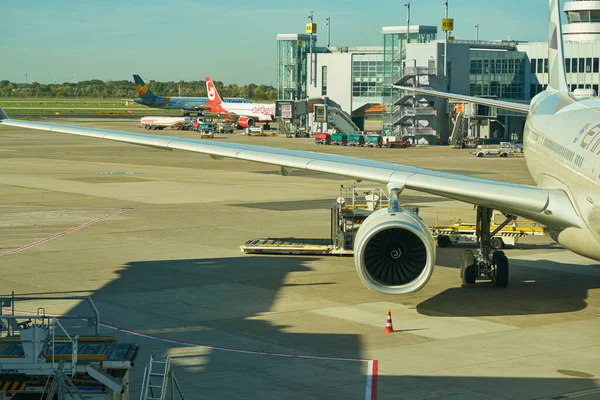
<point>394,253</point>
<point>245,122</point>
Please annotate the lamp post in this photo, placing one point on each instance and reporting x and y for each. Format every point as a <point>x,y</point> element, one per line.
<point>477,32</point>
<point>407,5</point>
<point>328,24</point>
<point>445,3</point>
<point>310,44</point>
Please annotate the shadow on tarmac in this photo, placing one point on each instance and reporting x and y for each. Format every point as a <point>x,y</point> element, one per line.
<point>234,303</point>
<point>536,287</point>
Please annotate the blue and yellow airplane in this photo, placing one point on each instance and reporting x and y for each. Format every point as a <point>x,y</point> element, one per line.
<point>186,104</point>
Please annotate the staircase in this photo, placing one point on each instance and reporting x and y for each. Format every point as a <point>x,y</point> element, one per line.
<point>341,121</point>
<point>457,131</point>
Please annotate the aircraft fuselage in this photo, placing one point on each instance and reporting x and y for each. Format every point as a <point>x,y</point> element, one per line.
<point>562,150</point>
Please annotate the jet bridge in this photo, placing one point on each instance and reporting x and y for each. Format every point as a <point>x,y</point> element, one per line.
<point>294,113</point>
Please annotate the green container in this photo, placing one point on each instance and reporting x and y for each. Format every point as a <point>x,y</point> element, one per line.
<point>339,139</point>
<point>356,140</point>
<point>374,138</point>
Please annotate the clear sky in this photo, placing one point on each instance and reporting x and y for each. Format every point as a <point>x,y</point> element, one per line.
<point>233,41</point>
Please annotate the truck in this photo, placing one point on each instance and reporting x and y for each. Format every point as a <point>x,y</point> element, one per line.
<point>160,123</point>
<point>504,149</point>
<point>224,127</point>
<point>395,142</point>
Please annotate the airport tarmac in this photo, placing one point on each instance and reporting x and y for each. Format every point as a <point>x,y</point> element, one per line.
<point>299,327</point>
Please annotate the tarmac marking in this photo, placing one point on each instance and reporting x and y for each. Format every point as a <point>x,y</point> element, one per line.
<point>57,235</point>
<point>372,365</point>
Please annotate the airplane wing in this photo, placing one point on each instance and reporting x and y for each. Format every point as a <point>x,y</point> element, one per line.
<point>507,105</point>
<point>550,207</point>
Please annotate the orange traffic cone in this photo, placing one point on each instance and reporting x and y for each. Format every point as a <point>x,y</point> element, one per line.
<point>388,323</point>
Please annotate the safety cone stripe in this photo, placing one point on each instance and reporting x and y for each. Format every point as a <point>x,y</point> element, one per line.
<point>388,323</point>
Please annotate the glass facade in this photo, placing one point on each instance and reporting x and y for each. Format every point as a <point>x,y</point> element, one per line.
<point>291,68</point>
<point>367,77</point>
<point>500,73</point>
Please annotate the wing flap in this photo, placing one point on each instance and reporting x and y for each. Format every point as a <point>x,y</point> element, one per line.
<point>550,207</point>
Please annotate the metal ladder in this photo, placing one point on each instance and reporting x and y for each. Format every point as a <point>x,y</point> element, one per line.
<point>154,385</point>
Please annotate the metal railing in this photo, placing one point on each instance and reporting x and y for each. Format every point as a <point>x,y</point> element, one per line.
<point>11,299</point>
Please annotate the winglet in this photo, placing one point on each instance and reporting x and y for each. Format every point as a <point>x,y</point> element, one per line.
<point>3,114</point>
<point>556,70</point>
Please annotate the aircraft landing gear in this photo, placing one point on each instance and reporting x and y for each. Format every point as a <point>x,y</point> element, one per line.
<point>486,264</point>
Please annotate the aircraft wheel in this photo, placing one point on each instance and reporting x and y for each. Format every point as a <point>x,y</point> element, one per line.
<point>497,243</point>
<point>443,241</point>
<point>468,267</point>
<point>500,262</point>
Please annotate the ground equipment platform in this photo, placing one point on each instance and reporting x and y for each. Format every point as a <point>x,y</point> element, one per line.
<point>39,348</point>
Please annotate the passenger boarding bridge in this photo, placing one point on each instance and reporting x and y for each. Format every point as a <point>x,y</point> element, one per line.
<point>326,114</point>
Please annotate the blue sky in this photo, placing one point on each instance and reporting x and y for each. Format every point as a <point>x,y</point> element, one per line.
<point>233,41</point>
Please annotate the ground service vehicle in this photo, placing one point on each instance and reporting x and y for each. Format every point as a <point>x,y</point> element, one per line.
<point>205,127</point>
<point>395,142</point>
<point>224,128</point>
<point>339,139</point>
<point>504,149</point>
<point>160,123</point>
<point>322,138</point>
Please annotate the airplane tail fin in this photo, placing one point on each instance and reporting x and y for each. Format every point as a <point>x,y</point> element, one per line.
<point>556,61</point>
<point>214,100</point>
<point>142,89</point>
<point>3,114</point>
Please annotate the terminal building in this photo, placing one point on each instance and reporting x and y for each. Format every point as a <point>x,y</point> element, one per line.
<point>361,79</point>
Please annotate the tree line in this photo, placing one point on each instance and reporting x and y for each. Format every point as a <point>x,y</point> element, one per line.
<point>126,89</point>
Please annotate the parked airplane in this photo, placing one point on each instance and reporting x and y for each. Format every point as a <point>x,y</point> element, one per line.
<point>394,251</point>
<point>244,114</point>
<point>187,104</point>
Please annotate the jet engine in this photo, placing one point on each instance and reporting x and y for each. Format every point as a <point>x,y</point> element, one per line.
<point>245,122</point>
<point>394,252</point>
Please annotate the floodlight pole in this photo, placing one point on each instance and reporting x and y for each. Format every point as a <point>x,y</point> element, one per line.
<point>477,32</point>
<point>328,23</point>
<point>445,3</point>
<point>310,46</point>
<point>407,5</point>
